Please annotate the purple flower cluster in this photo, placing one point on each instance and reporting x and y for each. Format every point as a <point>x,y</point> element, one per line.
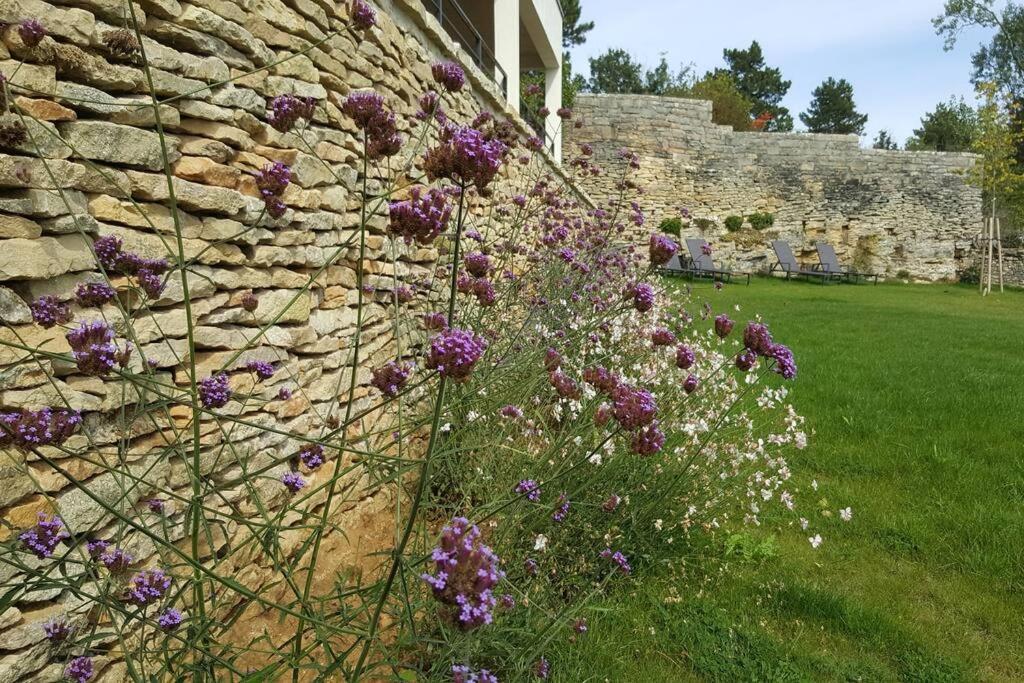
<point>448,75</point>
<point>454,353</point>
<point>94,294</point>
<point>435,321</point>
<point>391,377</point>
<point>662,249</point>
<point>463,674</point>
<point>512,412</point>
<point>92,347</point>
<point>466,156</point>
<point>746,360</point>
<point>260,368</point>
<point>478,264</point>
<point>116,560</point>
<point>565,386</point>
<point>663,337</point>
<point>272,180</point>
<point>147,272</point>
<point>684,357</point>
<point>643,297</point>
<point>404,294</point>
<point>648,440</point>
<point>530,488</point>
<point>147,587</point>
<point>690,384</point>
<point>757,338</point>
<point>48,311</point>
<point>31,32</point>
<point>57,630</point>
<point>362,15</point>
<point>723,325</point>
<point>312,456</point>
<point>293,481</point>
<point>287,110</point>
<point>633,407</point>
<point>785,364</point>
<point>27,429</point>
<point>580,626</point>
<point>563,508</point>
<point>79,670</point>
<point>617,558</point>
<point>542,669</point>
<point>249,302</point>
<point>611,503</point>
<point>170,619</point>
<point>420,218</point>
<point>45,536</point>
<point>376,122</point>
<point>215,391</point>
<point>465,572</point>
<point>601,379</point>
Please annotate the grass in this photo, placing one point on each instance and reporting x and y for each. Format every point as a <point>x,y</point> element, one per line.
<point>915,395</point>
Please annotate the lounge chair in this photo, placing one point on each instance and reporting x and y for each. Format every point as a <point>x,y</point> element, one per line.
<point>787,263</point>
<point>702,265</point>
<point>830,264</point>
<point>676,266</point>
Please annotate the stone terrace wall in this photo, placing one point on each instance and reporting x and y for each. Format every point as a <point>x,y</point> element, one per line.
<point>99,139</point>
<point>887,211</point>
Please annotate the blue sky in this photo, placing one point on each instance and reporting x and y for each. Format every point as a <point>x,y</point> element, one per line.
<point>887,49</point>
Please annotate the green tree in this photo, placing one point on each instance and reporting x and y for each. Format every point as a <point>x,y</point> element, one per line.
<point>833,110</point>
<point>574,31</point>
<point>615,71</point>
<point>952,127</point>
<point>759,83</point>
<point>997,173</point>
<point>729,107</point>
<point>884,141</point>
<point>662,81</point>
<point>1001,61</point>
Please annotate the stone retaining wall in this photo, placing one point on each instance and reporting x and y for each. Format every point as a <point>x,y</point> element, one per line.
<point>897,213</point>
<point>90,120</point>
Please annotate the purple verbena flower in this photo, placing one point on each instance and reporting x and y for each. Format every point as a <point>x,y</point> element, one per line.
<point>287,110</point>
<point>260,368</point>
<point>454,353</point>
<point>215,391</point>
<point>633,407</point>
<point>684,357</point>
<point>147,587</point>
<point>511,412</point>
<point>391,378</point>
<point>48,311</point>
<point>94,294</point>
<point>57,630</point>
<point>31,32</point>
<point>611,503</point>
<point>312,455</point>
<point>465,573</point>
<point>449,75</point>
<point>93,348</point>
<point>466,156</point>
<point>785,364</point>
<point>530,488</point>
<point>293,481</point>
<point>28,429</point>
<point>284,393</point>
<point>617,558</point>
<point>746,360</point>
<point>116,560</point>
<point>662,249</point>
<point>563,508</point>
<point>662,336</point>
<point>362,15</point>
<point>249,302</point>
<point>435,321</point>
<point>420,218</point>
<point>79,670</point>
<point>643,297</point>
<point>478,264</point>
<point>580,626</point>
<point>757,338</point>
<point>170,619</point>
<point>690,384</point>
<point>723,325</point>
<point>648,440</point>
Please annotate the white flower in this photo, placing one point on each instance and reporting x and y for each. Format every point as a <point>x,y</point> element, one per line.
<point>472,415</point>
<point>540,542</point>
<point>814,484</point>
<point>815,540</point>
<point>595,459</point>
<point>803,523</point>
<point>446,427</point>
<point>846,514</point>
<point>657,524</point>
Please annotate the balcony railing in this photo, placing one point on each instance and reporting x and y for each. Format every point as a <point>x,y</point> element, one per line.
<point>454,20</point>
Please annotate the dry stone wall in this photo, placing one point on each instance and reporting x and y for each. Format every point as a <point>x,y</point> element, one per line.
<point>896,213</point>
<point>94,150</point>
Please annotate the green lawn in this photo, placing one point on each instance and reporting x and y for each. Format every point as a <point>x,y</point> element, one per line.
<point>915,395</point>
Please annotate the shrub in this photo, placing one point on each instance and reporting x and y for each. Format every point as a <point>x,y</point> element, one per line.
<point>733,223</point>
<point>529,405</point>
<point>761,220</point>
<point>671,226</point>
<point>704,223</point>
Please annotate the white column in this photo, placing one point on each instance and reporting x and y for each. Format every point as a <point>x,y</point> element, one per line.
<point>553,101</point>
<point>506,47</point>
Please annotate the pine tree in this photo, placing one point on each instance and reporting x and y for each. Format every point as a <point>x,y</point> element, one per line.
<point>833,110</point>
<point>759,83</point>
